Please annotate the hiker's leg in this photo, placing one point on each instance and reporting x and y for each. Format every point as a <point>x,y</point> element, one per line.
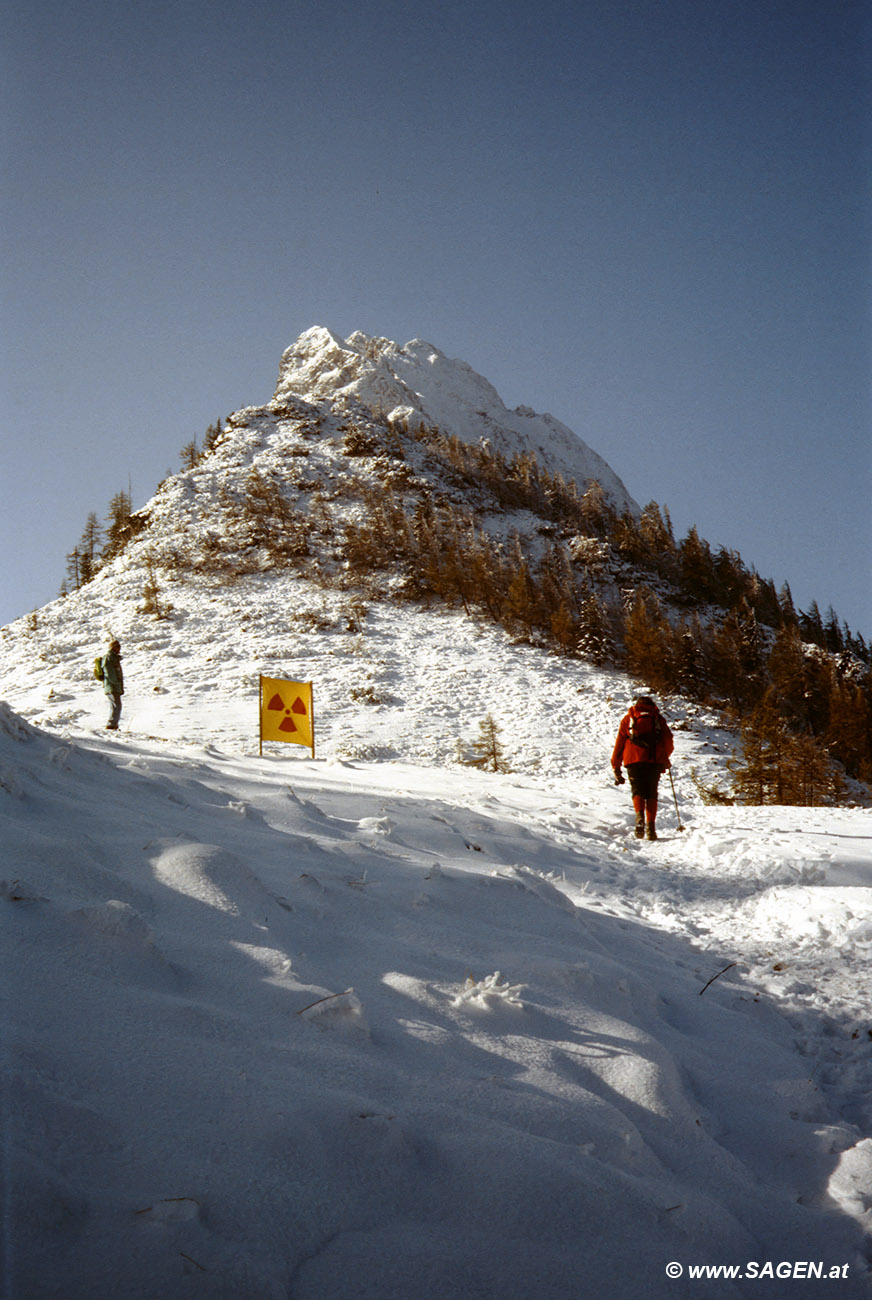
<point>115,712</point>
<point>651,805</point>
<point>638,789</point>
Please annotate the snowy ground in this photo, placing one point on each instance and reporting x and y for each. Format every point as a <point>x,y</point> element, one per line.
<point>379,1025</point>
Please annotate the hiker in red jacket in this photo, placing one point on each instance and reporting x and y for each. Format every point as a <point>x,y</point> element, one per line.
<point>643,746</point>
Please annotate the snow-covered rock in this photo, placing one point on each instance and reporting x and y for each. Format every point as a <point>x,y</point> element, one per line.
<point>417,383</point>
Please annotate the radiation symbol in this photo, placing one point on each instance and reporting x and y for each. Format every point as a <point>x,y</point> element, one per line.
<point>286,711</point>
<point>287,723</point>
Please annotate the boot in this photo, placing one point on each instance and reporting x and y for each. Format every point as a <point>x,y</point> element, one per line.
<point>650,832</point>
<point>640,826</point>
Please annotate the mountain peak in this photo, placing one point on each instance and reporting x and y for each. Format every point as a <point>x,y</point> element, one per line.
<point>416,383</point>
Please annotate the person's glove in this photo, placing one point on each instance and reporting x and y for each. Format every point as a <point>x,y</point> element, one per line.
<point>619,776</point>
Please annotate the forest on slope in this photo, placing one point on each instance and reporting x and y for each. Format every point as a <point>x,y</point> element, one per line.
<point>352,499</point>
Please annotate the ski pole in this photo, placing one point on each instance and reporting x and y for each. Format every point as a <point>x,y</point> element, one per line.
<point>675,799</point>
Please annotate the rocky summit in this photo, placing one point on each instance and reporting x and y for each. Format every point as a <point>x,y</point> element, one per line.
<point>417,385</point>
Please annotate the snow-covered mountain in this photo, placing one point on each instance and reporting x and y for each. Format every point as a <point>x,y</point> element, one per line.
<point>253,527</point>
<point>379,1024</point>
<point>250,578</point>
<point>417,384</point>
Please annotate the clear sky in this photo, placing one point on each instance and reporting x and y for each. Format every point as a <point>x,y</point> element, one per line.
<point>649,217</point>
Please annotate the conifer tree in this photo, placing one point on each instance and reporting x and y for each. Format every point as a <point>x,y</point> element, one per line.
<point>151,591</point>
<point>648,642</point>
<point>595,641</point>
<point>779,766</point>
<point>488,749</point>
<point>811,625</point>
<point>92,536</point>
<point>447,570</point>
<point>697,567</point>
<point>819,678</point>
<point>765,601</point>
<point>89,548</point>
<point>849,729</point>
<point>74,568</point>
<point>520,607</point>
<point>485,574</point>
<point>556,585</point>
<point>627,538</point>
<point>656,532</point>
<point>786,670</point>
<point>658,548</point>
<point>786,606</point>
<point>211,436</point>
<point>118,528</point>
<point>737,657</point>
<point>690,663</point>
<point>423,526</point>
<point>834,637</point>
<point>815,780</point>
<point>730,578</point>
<point>760,775</point>
<point>564,628</point>
<point>270,522</point>
<point>597,515</point>
<point>190,454</point>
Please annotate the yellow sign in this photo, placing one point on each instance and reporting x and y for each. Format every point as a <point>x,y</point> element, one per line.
<point>286,712</point>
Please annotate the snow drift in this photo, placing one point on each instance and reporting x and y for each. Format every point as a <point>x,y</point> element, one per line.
<point>296,1029</point>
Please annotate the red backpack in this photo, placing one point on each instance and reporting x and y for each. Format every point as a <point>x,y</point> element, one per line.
<point>646,727</point>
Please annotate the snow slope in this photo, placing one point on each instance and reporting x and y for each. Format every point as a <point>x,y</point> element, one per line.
<point>379,1025</point>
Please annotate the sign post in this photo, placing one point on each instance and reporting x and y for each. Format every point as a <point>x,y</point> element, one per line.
<point>287,712</point>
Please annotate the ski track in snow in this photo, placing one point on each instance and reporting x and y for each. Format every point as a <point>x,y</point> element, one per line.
<point>380,1025</point>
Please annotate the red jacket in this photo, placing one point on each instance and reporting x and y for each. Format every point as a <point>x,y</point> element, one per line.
<point>627,750</point>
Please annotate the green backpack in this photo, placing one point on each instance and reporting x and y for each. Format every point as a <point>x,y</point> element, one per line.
<point>98,668</point>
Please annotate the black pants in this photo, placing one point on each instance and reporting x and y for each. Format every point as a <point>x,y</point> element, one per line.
<point>644,779</point>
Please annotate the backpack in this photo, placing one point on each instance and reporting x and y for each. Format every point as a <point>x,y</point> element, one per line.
<point>646,729</point>
<point>98,668</point>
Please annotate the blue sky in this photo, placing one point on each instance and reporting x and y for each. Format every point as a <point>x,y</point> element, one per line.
<point>649,217</point>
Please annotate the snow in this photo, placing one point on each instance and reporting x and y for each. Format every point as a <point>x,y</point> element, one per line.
<point>381,1025</point>
<point>378,1025</point>
<point>418,382</point>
